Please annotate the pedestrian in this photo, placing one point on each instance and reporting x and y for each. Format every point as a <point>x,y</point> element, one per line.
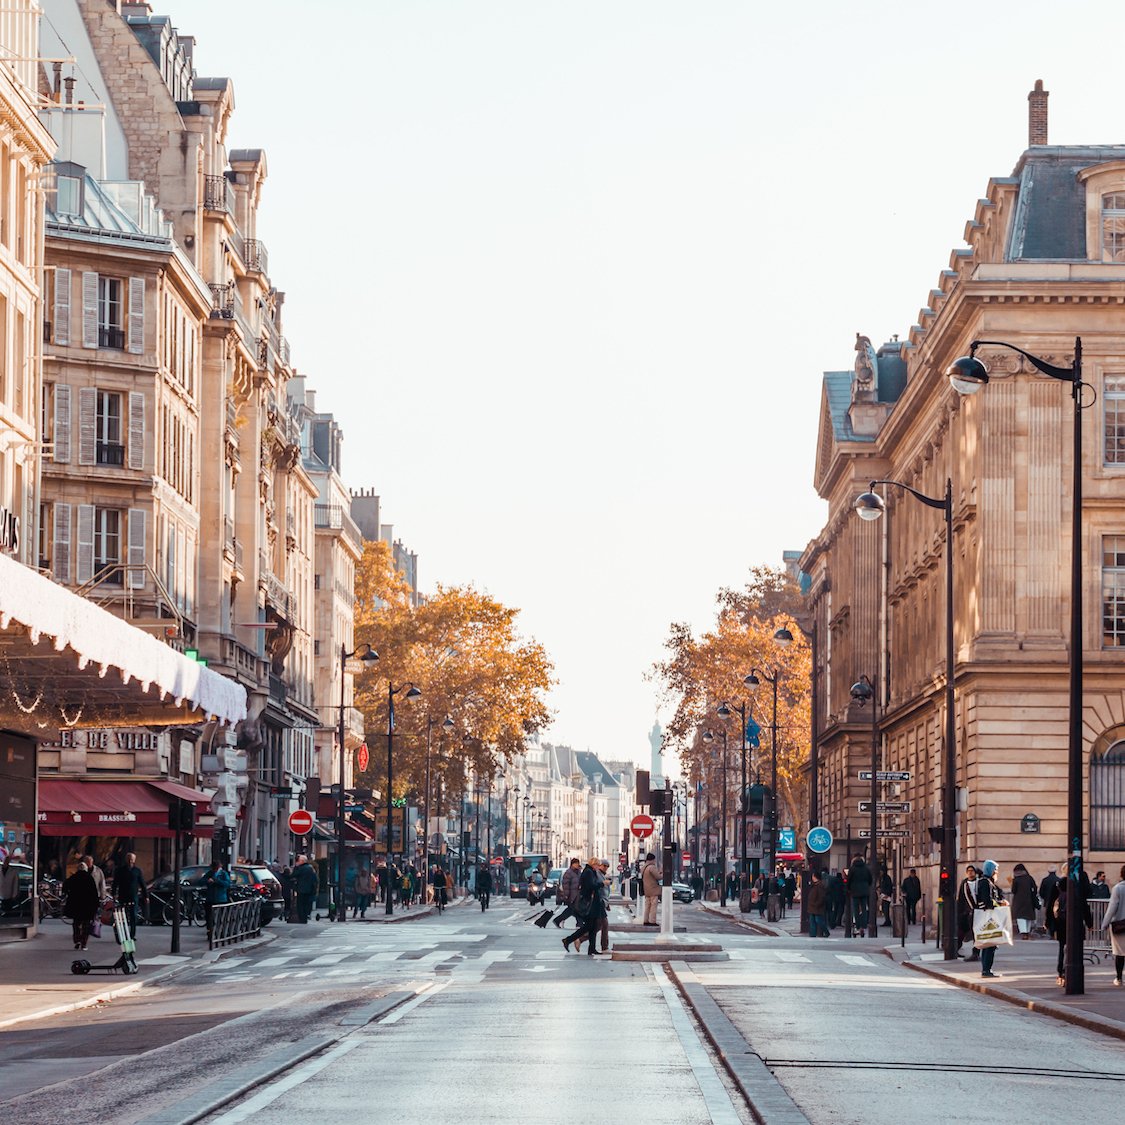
<point>988,897</point>
<point>859,892</point>
<point>762,889</point>
<point>912,895</point>
<point>1047,895</point>
<point>966,904</point>
<point>365,887</point>
<point>306,883</point>
<point>215,882</point>
<point>590,907</point>
<point>837,899</point>
<point>790,888</point>
<point>886,893</point>
<point>1057,907</point>
<point>99,877</point>
<point>483,886</point>
<point>818,905</point>
<point>1099,888</point>
<point>650,886</point>
<point>1115,917</point>
<point>568,890</point>
<point>286,881</point>
<point>1025,901</point>
<point>82,903</point>
<point>9,887</point>
<point>129,890</point>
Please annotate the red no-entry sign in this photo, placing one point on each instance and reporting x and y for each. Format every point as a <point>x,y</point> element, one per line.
<point>642,826</point>
<point>300,822</point>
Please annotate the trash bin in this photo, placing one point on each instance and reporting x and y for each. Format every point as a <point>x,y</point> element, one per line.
<point>744,900</point>
<point>773,908</point>
<point>898,919</point>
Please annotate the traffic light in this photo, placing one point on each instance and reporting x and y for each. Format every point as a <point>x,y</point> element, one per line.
<point>181,815</point>
<point>656,805</point>
<point>945,884</point>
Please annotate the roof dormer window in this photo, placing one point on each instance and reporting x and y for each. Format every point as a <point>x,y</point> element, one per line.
<point>1113,226</point>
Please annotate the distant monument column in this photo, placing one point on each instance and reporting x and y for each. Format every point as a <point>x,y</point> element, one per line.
<point>656,764</point>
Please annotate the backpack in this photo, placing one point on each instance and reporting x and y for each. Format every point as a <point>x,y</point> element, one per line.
<point>1058,909</point>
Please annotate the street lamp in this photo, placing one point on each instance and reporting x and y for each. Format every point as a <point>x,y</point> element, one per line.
<point>447,725</point>
<point>783,638</point>
<point>870,506</point>
<point>412,692</point>
<point>368,655</point>
<point>725,711</point>
<point>967,375</point>
<point>863,691</point>
<point>709,737</point>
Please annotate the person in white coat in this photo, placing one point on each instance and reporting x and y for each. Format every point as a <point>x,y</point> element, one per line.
<point>1115,912</point>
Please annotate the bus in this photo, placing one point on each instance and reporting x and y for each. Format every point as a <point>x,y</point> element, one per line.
<point>520,868</point>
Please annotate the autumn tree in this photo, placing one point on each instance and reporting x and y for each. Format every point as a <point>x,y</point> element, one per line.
<point>700,673</point>
<point>461,648</point>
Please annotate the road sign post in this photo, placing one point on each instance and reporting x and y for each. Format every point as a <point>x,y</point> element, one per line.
<point>885,775</point>
<point>886,833</point>
<point>819,840</point>
<point>886,806</point>
<point>642,826</point>
<point>300,822</point>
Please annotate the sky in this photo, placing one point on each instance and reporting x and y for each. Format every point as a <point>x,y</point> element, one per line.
<point>569,273</point>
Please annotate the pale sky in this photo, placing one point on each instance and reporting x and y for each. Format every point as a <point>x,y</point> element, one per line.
<point>568,273</point>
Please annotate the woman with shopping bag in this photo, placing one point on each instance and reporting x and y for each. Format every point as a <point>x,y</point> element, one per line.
<point>992,918</point>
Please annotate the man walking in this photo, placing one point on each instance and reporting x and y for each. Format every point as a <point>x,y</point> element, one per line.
<point>859,891</point>
<point>650,885</point>
<point>912,895</point>
<point>483,886</point>
<point>568,890</point>
<point>128,889</point>
<point>216,887</point>
<point>306,883</point>
<point>590,907</point>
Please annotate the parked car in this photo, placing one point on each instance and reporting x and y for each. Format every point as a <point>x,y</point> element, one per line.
<point>681,892</point>
<point>253,877</point>
<point>22,906</point>
<point>554,881</point>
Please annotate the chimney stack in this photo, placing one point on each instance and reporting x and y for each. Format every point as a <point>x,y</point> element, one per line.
<point>1037,114</point>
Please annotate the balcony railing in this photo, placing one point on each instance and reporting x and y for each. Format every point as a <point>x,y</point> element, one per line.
<point>255,255</point>
<point>335,517</point>
<point>111,337</point>
<point>217,194</point>
<point>110,453</point>
<point>222,301</point>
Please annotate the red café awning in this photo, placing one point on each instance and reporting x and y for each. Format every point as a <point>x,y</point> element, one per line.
<point>83,807</point>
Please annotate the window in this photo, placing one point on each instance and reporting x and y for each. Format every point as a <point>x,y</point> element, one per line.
<point>110,448</point>
<point>1107,800</point>
<point>1113,400</point>
<point>1113,591</point>
<point>68,199</point>
<point>111,320</point>
<point>1113,227</point>
<point>107,545</point>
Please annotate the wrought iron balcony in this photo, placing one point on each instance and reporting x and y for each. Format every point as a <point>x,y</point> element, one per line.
<point>217,194</point>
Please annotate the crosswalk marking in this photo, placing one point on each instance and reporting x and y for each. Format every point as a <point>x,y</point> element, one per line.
<point>270,962</point>
<point>791,955</point>
<point>855,959</point>
<point>329,959</point>
<point>224,966</point>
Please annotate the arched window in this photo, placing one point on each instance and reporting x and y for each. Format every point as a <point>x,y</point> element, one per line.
<point>1107,800</point>
<point>1113,227</point>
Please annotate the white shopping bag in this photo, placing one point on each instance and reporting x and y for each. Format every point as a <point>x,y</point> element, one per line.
<point>992,927</point>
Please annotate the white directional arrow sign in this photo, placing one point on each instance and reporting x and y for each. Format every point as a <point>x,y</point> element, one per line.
<point>541,969</point>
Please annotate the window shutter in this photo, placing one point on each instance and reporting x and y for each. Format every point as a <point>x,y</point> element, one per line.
<point>62,428</point>
<point>136,430</point>
<point>89,310</point>
<point>62,543</point>
<point>137,523</point>
<point>62,306</point>
<point>137,315</point>
<point>87,425</point>
<point>84,571</point>
<point>170,562</point>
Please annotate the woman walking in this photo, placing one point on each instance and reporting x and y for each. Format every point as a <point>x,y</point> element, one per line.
<point>1056,911</point>
<point>1115,913</point>
<point>1025,901</point>
<point>590,908</point>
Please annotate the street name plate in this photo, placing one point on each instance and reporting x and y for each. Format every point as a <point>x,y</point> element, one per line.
<point>885,833</point>
<point>885,775</point>
<point>885,806</point>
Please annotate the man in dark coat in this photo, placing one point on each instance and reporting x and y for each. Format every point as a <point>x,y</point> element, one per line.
<point>81,903</point>
<point>591,908</point>
<point>306,883</point>
<point>859,891</point>
<point>128,889</point>
<point>568,890</point>
<point>837,899</point>
<point>483,886</point>
<point>1047,894</point>
<point>912,895</point>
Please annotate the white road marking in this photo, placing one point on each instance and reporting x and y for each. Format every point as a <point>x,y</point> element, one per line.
<point>385,955</point>
<point>274,1091</point>
<point>410,1005</point>
<point>715,1096</point>
<point>791,955</point>
<point>224,966</point>
<point>328,959</point>
<point>855,959</point>
<point>270,962</point>
<point>540,969</point>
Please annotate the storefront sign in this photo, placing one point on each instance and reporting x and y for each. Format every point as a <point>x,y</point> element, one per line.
<point>114,741</point>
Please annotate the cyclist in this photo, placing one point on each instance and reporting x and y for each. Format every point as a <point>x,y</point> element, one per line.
<point>483,886</point>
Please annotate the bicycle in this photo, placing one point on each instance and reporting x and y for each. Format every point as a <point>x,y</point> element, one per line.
<point>51,899</point>
<point>193,909</point>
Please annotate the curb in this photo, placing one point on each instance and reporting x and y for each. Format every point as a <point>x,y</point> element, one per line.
<point>1112,1028</point>
<point>754,927</point>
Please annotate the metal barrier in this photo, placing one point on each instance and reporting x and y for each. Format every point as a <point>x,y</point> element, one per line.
<point>235,921</point>
<point>1097,940</point>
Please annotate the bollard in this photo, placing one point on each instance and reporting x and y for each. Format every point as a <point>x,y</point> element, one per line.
<point>898,920</point>
<point>773,908</point>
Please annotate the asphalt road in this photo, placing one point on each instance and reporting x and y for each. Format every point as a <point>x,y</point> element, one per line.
<point>473,1017</point>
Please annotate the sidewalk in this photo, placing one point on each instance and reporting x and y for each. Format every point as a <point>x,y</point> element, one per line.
<point>1026,970</point>
<point>36,981</point>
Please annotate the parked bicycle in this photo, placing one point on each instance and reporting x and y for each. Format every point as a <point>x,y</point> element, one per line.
<point>51,899</point>
<point>193,910</point>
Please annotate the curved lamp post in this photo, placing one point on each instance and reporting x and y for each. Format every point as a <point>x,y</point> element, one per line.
<point>709,737</point>
<point>368,655</point>
<point>870,506</point>
<point>725,711</point>
<point>412,692</point>
<point>446,725</point>
<point>783,638</point>
<point>968,375</point>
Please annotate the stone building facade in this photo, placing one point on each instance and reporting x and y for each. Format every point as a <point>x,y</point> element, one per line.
<point>1042,266</point>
